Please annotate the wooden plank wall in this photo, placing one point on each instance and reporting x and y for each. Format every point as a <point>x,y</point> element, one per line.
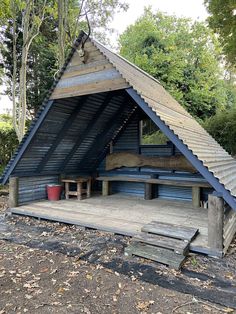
<point>229,227</point>
<point>34,188</point>
<point>90,74</point>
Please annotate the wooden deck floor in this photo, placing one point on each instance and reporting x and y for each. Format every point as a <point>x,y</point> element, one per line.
<point>121,214</point>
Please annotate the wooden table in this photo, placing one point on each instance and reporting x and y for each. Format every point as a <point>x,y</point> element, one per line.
<point>80,190</point>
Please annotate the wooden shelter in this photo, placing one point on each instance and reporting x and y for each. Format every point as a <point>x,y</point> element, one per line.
<point>92,117</point>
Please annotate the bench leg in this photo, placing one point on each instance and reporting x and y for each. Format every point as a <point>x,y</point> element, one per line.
<point>105,188</point>
<point>196,196</point>
<point>148,191</point>
<point>89,188</point>
<point>79,191</point>
<point>67,186</point>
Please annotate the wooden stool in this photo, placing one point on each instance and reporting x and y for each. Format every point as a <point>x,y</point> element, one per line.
<point>80,190</point>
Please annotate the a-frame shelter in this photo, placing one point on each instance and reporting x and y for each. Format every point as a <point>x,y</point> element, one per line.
<point>98,101</point>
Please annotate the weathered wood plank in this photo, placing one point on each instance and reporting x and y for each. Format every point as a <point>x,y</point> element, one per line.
<point>155,181</point>
<point>215,222</point>
<point>178,246</point>
<point>126,159</point>
<point>95,77</point>
<point>83,69</point>
<point>171,230</point>
<point>160,255</point>
<point>13,191</point>
<point>95,87</point>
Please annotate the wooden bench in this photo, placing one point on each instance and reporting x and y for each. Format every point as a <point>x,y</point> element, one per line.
<point>148,190</point>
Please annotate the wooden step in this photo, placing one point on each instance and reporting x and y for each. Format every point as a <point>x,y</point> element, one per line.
<point>171,230</point>
<point>177,245</point>
<point>154,253</point>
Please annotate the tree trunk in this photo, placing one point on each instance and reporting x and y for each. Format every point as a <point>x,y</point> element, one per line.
<point>62,14</point>
<point>14,72</point>
<point>30,29</point>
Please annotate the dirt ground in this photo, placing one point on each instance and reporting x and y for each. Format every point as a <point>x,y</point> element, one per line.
<point>50,267</point>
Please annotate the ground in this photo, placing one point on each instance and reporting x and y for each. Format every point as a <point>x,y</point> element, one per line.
<point>49,267</point>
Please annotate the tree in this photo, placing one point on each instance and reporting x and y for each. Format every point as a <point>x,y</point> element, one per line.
<point>8,140</point>
<point>222,126</point>
<point>223,21</point>
<point>184,56</point>
<point>37,36</point>
<point>90,15</point>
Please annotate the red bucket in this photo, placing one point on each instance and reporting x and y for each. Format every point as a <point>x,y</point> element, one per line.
<point>54,192</point>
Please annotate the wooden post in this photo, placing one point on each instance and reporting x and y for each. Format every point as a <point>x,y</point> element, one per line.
<point>196,196</point>
<point>13,191</point>
<point>105,188</point>
<point>67,189</point>
<point>215,223</point>
<point>79,191</point>
<point>89,182</point>
<point>148,191</point>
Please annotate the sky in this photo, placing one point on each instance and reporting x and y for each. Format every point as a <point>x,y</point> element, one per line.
<point>182,8</point>
<point>194,9</point>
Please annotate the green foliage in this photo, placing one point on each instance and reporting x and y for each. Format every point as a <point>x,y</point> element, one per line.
<point>223,21</point>
<point>8,140</point>
<point>42,63</point>
<point>184,56</point>
<point>156,138</point>
<point>222,126</point>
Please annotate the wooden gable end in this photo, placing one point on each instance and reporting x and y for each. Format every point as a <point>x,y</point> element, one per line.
<point>88,74</point>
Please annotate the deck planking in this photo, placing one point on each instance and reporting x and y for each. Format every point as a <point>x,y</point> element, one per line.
<point>122,214</point>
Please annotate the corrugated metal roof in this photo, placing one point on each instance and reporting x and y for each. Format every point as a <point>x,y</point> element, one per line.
<point>188,130</point>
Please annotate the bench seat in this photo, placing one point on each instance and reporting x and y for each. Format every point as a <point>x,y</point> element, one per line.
<point>148,192</point>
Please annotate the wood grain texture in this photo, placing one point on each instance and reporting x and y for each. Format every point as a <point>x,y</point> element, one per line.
<point>173,182</point>
<point>95,75</point>
<point>13,192</point>
<point>178,246</point>
<point>171,230</point>
<point>160,255</point>
<point>126,159</point>
<point>215,222</point>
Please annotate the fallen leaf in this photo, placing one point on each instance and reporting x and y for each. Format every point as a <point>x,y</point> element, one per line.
<point>90,277</point>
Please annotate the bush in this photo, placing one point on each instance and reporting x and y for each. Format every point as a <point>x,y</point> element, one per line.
<point>222,126</point>
<point>8,140</point>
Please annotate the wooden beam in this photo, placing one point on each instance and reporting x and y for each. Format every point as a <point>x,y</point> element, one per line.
<point>13,192</point>
<point>80,139</point>
<point>215,222</point>
<point>62,132</point>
